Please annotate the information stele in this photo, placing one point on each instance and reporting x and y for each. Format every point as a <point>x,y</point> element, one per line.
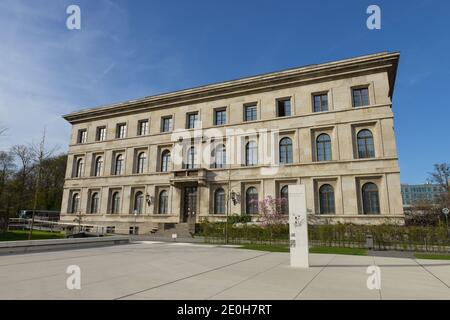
<point>298,227</point>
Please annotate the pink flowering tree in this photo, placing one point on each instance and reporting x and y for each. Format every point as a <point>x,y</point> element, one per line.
<point>273,211</point>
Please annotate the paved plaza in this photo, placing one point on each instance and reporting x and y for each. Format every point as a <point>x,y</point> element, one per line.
<point>156,270</point>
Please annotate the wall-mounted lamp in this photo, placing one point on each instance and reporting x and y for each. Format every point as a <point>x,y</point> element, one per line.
<point>148,199</point>
<point>235,197</point>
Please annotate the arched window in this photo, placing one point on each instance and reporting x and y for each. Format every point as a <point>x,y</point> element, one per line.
<point>98,166</point>
<point>251,201</point>
<point>284,196</point>
<point>94,202</point>
<point>75,207</point>
<point>326,199</point>
<point>142,162</point>
<point>285,150</point>
<point>163,202</point>
<point>219,156</point>
<point>323,146</point>
<point>371,201</point>
<point>118,168</point>
<point>138,202</point>
<point>251,153</point>
<point>165,161</point>
<point>115,202</point>
<point>219,201</point>
<point>80,168</point>
<point>365,144</point>
<point>191,158</point>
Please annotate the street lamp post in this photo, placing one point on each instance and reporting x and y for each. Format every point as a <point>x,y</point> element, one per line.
<point>135,222</point>
<point>446,211</point>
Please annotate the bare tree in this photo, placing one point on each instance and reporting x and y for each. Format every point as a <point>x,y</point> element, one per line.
<point>3,130</point>
<point>441,175</point>
<point>40,154</point>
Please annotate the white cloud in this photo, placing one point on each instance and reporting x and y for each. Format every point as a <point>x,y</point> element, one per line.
<point>48,70</point>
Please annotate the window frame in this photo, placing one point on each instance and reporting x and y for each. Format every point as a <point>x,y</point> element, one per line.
<point>146,127</point>
<point>121,130</point>
<point>221,110</point>
<point>283,100</point>
<point>195,122</point>
<point>318,158</point>
<point>360,89</point>
<point>163,124</point>
<point>286,151</point>
<point>254,112</point>
<point>82,136</point>
<point>320,95</point>
<point>98,134</point>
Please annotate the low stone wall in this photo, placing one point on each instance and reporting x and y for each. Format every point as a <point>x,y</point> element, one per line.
<point>24,246</point>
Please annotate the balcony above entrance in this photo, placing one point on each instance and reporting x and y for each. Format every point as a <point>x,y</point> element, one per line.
<point>189,176</point>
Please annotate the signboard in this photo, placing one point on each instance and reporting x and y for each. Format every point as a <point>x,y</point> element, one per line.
<point>445,211</point>
<point>298,227</point>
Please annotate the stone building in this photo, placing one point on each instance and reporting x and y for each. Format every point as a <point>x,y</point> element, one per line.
<point>218,149</point>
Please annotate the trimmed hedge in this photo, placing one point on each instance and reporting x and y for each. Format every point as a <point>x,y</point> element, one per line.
<point>385,236</point>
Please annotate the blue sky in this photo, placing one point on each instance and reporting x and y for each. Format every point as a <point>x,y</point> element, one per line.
<point>130,49</point>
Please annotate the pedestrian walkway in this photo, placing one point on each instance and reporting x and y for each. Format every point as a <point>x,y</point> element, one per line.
<point>160,270</point>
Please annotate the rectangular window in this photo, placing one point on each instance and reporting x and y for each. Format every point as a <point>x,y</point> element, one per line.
<point>192,120</point>
<point>166,124</point>
<point>283,107</point>
<point>143,128</point>
<point>250,113</point>
<point>82,136</point>
<point>320,102</point>
<point>220,116</point>
<point>360,97</point>
<point>121,130</point>
<point>101,134</point>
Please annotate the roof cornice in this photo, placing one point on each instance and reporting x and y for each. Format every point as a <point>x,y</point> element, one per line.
<point>319,72</point>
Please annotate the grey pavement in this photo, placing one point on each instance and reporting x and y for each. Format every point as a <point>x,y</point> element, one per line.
<point>158,270</point>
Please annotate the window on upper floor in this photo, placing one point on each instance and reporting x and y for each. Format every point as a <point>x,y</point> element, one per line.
<point>285,149</point>
<point>219,156</point>
<point>119,165</point>
<point>251,153</point>
<point>250,113</point>
<point>100,134</point>
<point>141,162</point>
<point>320,102</point>
<point>165,161</point>
<point>79,167</point>
<point>284,107</point>
<point>192,120</point>
<point>121,130</point>
<point>360,97</point>
<point>323,147</point>
<point>115,203</point>
<point>82,136</point>
<point>191,159</point>
<point>143,128</point>
<point>98,167</point>
<point>75,203</point>
<point>366,148</point>
<point>220,116</point>
<point>95,202</point>
<point>166,124</point>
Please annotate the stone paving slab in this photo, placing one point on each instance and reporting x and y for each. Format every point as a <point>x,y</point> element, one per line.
<point>158,270</point>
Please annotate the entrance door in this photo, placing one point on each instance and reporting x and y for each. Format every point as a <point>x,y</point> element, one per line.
<point>190,204</point>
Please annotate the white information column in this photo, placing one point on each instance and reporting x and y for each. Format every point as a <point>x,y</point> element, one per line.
<point>298,227</point>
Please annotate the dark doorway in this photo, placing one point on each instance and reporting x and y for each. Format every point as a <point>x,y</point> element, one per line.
<point>190,204</point>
